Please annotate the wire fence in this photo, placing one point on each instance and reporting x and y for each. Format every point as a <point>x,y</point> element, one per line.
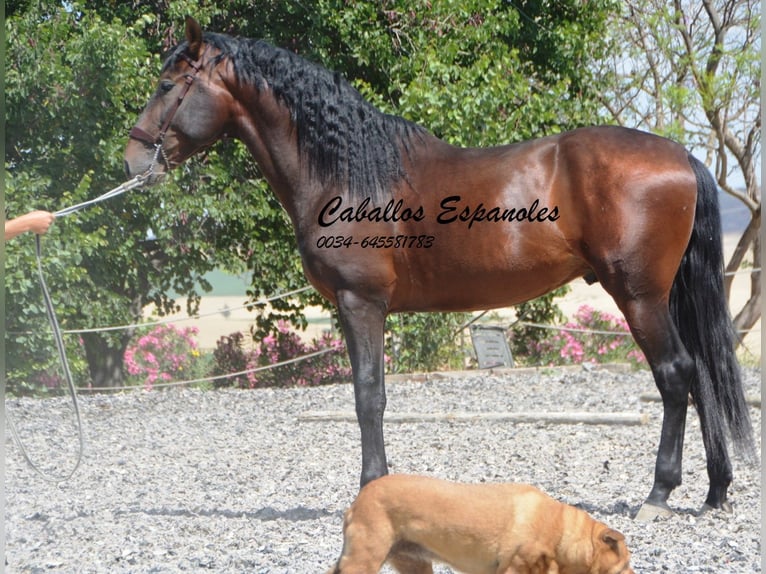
<point>190,317</point>
<point>297,359</point>
<point>209,379</point>
<point>266,300</point>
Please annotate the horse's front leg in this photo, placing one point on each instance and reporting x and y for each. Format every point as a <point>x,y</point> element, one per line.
<point>363,323</point>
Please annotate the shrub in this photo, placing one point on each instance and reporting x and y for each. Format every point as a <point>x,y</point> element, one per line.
<point>279,346</point>
<point>229,357</point>
<point>33,367</point>
<point>424,342</point>
<point>164,354</point>
<point>587,346</point>
<point>542,310</point>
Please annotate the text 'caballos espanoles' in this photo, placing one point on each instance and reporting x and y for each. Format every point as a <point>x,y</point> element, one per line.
<point>451,210</point>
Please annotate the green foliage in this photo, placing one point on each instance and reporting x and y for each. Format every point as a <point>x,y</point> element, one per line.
<point>425,342</point>
<point>477,72</point>
<point>681,65</point>
<point>542,311</point>
<point>70,78</point>
<point>229,358</point>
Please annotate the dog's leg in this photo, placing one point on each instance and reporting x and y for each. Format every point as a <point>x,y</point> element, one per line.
<point>529,559</point>
<point>365,544</point>
<point>409,564</point>
<point>359,563</point>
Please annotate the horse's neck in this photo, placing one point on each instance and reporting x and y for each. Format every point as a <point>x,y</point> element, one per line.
<point>265,127</point>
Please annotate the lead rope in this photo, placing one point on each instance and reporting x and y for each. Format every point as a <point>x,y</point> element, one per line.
<point>67,376</point>
<point>137,181</point>
<point>57,335</point>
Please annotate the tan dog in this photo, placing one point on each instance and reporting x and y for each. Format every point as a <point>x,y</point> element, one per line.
<point>408,521</point>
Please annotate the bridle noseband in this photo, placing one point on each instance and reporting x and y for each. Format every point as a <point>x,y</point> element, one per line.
<point>145,137</point>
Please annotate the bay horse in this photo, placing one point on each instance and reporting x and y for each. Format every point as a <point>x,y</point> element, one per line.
<point>388,218</point>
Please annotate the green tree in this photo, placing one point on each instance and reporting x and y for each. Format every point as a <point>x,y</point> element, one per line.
<point>691,71</point>
<point>70,78</point>
<point>75,83</point>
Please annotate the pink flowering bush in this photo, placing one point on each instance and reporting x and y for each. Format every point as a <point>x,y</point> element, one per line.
<point>164,354</point>
<point>280,346</point>
<point>580,344</point>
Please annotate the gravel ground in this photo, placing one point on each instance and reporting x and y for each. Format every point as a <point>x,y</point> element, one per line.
<point>233,481</point>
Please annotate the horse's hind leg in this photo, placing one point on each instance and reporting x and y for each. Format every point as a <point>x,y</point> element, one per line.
<point>718,469</point>
<point>363,324</point>
<point>673,368</point>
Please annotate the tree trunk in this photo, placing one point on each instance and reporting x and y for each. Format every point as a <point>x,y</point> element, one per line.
<point>105,358</point>
<point>749,237</point>
<point>751,312</point>
<point>748,315</point>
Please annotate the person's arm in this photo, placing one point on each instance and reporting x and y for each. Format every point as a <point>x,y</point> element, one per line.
<point>36,221</point>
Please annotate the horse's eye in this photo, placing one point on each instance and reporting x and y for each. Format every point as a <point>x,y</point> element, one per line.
<point>166,86</point>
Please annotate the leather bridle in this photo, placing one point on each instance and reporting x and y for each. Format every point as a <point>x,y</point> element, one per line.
<point>145,137</point>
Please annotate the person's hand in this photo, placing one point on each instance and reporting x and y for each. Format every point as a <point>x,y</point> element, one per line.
<point>39,221</point>
<point>36,221</point>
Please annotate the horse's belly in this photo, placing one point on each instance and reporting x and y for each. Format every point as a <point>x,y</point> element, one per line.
<point>466,289</point>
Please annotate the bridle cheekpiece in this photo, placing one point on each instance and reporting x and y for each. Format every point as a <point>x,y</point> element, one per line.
<point>145,137</point>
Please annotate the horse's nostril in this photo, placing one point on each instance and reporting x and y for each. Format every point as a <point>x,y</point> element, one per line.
<point>127,168</point>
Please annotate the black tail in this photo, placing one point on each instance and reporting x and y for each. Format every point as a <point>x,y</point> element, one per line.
<point>699,310</point>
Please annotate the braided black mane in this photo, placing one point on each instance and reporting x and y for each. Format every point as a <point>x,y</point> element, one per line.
<point>345,140</point>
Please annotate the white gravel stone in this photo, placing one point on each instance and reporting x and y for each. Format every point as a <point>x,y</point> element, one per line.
<point>231,481</point>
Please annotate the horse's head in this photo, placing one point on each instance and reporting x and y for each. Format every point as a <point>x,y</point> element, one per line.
<point>187,113</point>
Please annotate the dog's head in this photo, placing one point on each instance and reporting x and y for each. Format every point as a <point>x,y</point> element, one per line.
<point>611,554</point>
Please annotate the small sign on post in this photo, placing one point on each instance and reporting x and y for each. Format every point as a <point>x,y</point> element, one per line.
<point>491,346</point>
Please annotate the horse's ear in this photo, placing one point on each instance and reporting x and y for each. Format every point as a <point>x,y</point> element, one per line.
<point>193,37</point>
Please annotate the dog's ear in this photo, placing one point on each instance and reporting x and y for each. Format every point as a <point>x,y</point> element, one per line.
<point>612,538</point>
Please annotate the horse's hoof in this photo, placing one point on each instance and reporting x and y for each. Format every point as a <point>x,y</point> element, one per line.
<point>650,512</point>
<point>725,507</point>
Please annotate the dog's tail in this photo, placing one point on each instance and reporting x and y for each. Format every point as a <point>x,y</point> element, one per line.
<point>700,312</point>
